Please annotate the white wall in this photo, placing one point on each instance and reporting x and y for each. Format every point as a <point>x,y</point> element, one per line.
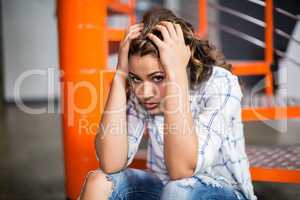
<point>30,42</point>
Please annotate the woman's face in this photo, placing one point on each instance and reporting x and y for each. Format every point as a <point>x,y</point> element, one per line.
<point>147,77</point>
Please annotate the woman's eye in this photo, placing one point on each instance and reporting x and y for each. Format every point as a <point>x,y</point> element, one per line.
<point>135,80</point>
<point>158,78</point>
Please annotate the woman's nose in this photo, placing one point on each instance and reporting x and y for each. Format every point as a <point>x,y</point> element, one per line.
<point>148,90</point>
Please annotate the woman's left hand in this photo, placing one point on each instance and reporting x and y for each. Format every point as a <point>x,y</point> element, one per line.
<point>174,53</point>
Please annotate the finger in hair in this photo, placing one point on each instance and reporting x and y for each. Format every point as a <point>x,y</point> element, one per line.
<point>170,28</point>
<point>179,31</point>
<point>163,31</point>
<point>155,39</point>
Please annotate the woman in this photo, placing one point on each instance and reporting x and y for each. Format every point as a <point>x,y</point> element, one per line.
<point>181,90</point>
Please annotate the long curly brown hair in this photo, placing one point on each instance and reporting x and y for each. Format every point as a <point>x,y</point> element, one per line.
<point>204,54</point>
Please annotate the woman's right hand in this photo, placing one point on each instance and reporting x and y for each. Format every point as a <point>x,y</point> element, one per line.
<point>132,32</point>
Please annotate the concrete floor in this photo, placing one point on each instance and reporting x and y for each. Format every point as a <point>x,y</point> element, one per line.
<point>31,159</point>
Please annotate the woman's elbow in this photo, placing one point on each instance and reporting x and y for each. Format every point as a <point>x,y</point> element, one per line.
<point>112,166</point>
<point>176,174</point>
<point>110,169</point>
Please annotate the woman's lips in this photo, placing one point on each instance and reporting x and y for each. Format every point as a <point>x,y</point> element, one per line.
<point>150,105</point>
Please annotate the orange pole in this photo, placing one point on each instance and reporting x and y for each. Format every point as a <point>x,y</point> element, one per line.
<point>269,31</point>
<point>83,52</point>
<point>132,15</point>
<point>269,45</point>
<point>202,18</point>
<point>269,84</point>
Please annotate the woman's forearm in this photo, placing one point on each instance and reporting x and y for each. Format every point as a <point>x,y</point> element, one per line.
<point>111,140</point>
<point>180,139</point>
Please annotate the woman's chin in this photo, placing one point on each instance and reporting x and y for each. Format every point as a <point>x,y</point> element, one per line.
<point>155,111</point>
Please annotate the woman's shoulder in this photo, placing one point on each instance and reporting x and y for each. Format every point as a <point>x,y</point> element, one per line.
<point>221,81</point>
<point>223,77</point>
<point>225,81</point>
<point>221,72</point>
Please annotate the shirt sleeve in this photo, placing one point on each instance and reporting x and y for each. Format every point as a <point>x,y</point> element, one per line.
<point>221,101</point>
<point>136,121</point>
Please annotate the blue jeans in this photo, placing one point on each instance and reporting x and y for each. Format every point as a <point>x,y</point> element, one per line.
<point>131,183</point>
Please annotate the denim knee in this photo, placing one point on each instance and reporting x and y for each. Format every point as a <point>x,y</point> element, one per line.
<point>178,189</point>
<point>131,183</point>
<point>195,189</point>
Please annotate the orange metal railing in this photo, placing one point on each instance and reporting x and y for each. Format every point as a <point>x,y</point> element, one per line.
<point>246,68</point>
<point>256,67</point>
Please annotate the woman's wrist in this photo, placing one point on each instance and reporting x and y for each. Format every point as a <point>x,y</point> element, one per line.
<point>120,75</point>
<point>176,76</point>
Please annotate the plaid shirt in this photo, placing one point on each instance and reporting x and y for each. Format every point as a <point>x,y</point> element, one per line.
<point>216,110</point>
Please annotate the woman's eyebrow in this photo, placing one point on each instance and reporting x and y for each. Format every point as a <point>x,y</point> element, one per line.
<point>153,73</point>
<point>133,74</point>
<point>149,75</point>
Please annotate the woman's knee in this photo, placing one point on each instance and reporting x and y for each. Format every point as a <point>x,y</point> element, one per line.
<point>130,181</point>
<point>178,189</point>
<point>96,177</point>
<point>193,188</point>
<point>96,182</point>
